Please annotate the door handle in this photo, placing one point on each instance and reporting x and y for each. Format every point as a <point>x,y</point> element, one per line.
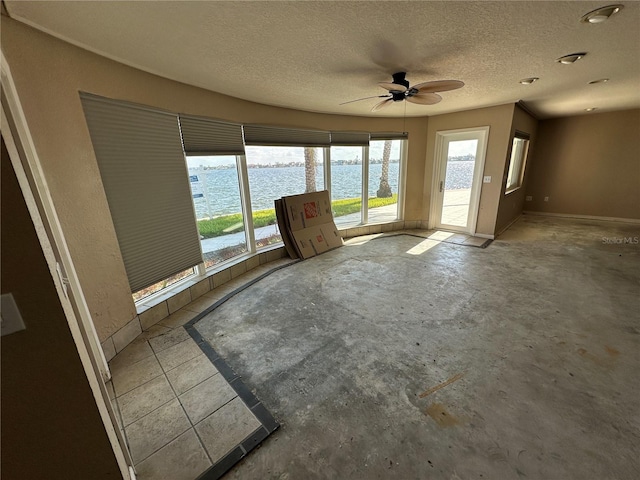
<point>441,182</point>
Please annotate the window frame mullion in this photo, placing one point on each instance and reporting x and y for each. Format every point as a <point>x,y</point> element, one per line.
<point>245,200</point>
<point>364,208</point>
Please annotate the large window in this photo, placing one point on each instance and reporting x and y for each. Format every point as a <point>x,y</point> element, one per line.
<point>384,179</point>
<point>233,195</point>
<point>372,171</point>
<point>346,184</point>
<point>275,172</point>
<point>215,190</point>
<point>189,193</point>
<point>518,161</point>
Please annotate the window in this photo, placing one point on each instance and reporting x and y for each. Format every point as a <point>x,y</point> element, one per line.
<point>518,161</point>
<point>187,193</point>
<point>346,184</point>
<point>372,170</point>
<point>167,282</point>
<point>215,190</point>
<point>275,172</point>
<point>384,176</point>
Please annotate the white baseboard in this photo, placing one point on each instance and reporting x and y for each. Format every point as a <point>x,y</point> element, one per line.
<point>506,227</point>
<point>585,217</point>
<point>484,235</point>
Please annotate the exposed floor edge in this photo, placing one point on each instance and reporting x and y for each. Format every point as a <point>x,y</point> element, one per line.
<point>210,309</point>
<point>269,424</point>
<point>426,235</point>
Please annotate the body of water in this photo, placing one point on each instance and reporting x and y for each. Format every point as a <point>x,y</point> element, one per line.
<point>220,194</point>
<point>459,175</point>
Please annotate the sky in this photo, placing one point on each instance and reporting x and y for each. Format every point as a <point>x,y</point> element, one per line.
<point>266,155</point>
<point>460,148</point>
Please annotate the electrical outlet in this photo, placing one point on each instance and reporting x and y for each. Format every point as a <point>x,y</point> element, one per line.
<point>10,318</point>
<point>528,198</point>
<point>546,199</point>
<point>487,179</point>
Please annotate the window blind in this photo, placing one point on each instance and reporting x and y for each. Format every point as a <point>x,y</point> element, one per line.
<point>350,139</point>
<point>389,135</point>
<point>144,173</point>
<point>205,136</point>
<point>285,137</point>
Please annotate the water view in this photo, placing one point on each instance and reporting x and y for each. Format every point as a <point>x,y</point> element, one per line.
<point>220,193</point>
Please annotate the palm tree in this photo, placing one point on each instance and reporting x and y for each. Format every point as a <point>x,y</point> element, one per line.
<point>310,169</point>
<point>384,190</point>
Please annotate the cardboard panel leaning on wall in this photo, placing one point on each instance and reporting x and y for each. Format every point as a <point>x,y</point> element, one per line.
<point>49,73</point>
<point>499,119</point>
<point>588,165</point>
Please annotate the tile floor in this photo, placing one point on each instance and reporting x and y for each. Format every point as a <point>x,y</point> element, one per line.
<point>178,404</point>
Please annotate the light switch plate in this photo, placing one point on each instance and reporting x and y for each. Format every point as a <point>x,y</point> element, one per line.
<point>528,198</point>
<point>487,179</point>
<point>10,318</point>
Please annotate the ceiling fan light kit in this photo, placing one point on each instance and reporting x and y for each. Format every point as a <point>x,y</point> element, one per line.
<point>529,81</point>
<point>420,94</point>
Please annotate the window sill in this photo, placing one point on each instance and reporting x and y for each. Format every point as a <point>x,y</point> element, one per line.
<point>250,260</point>
<point>515,189</point>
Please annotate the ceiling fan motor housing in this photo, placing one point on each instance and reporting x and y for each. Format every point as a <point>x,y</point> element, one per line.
<point>400,80</point>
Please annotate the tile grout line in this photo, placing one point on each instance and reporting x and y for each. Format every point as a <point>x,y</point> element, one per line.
<point>189,327</point>
<point>193,427</point>
<point>175,398</point>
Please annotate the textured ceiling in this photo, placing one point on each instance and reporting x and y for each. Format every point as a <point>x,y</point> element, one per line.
<point>313,55</point>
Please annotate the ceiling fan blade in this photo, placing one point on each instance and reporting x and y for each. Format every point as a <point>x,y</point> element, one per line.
<point>393,87</point>
<point>424,98</point>
<point>382,104</point>
<point>365,98</point>
<point>438,86</point>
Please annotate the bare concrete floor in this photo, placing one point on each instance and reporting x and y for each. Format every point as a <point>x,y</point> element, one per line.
<point>538,336</point>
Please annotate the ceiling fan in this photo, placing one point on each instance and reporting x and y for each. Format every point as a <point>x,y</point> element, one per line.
<point>422,93</point>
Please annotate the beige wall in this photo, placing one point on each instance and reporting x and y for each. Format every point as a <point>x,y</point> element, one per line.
<point>588,165</point>
<point>499,119</point>
<point>49,73</point>
<point>51,427</point>
<point>512,204</point>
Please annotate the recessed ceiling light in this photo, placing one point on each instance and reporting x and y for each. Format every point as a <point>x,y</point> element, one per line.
<point>590,109</point>
<point>601,14</point>
<point>529,81</point>
<point>600,80</point>
<point>572,58</point>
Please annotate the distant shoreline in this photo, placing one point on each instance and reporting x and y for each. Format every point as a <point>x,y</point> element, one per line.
<point>290,164</point>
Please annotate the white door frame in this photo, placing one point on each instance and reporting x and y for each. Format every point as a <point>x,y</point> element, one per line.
<point>28,169</point>
<point>439,171</point>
